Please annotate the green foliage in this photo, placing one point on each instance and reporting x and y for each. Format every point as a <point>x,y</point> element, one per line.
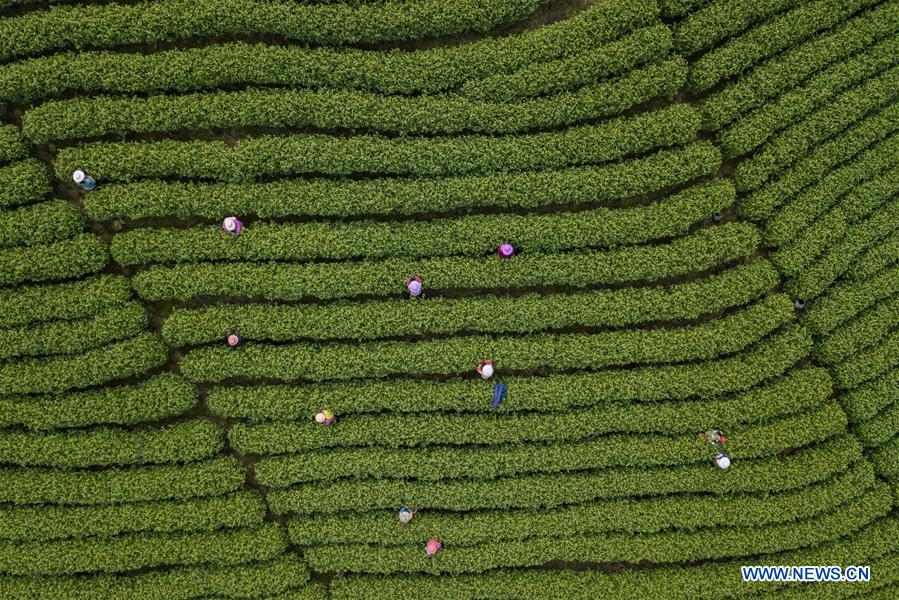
<point>722,19</point>
<point>797,470</point>
<point>182,442</point>
<point>876,259</point>
<point>268,156</point>
<point>315,362</point>
<point>886,459</point>
<point>348,197</point>
<point>140,550</point>
<point>92,367</point>
<point>697,252</point>
<point>240,509</point>
<point>82,255</point>
<point>768,359</point>
<point>426,71</point>
<point>871,363</point>
<point>787,70</point>
<point>572,72</point>
<point>848,108</point>
<point>161,396</point>
<point>249,580</point>
<point>110,25</point>
<point>211,477</point>
<point>484,314</point>
<point>650,515</point>
<point>336,109</point>
<point>754,129</point>
<point>775,35</point>
<point>76,300</point>
<point>40,224</point>
<point>475,235</point>
<point>864,402</point>
<point>13,145</point>
<point>880,428</point>
<point>679,8</point>
<point>23,182</point>
<point>70,337</point>
<point>845,300</point>
<point>868,328</point>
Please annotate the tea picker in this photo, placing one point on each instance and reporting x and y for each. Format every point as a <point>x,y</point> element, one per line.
<point>722,461</point>
<point>714,436</point>
<point>506,251</point>
<point>84,181</point>
<point>485,369</point>
<point>325,417</point>
<point>413,285</point>
<point>406,514</point>
<point>432,546</point>
<point>232,225</point>
<point>234,340</point>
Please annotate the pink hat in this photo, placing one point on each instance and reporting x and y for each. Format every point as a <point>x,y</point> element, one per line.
<point>320,417</point>
<point>233,340</point>
<point>506,250</point>
<point>414,286</point>
<point>432,547</point>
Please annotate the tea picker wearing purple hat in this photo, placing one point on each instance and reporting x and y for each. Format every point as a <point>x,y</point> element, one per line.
<point>506,251</point>
<point>232,225</point>
<point>413,285</point>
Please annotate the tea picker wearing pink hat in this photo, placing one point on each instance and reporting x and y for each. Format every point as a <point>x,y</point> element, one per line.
<point>432,546</point>
<point>232,225</point>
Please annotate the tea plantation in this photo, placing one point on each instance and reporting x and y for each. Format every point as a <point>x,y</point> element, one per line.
<point>218,378</point>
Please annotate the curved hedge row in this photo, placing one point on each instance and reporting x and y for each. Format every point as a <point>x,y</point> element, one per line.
<point>92,367</point>
<point>345,109</point>
<point>524,314</point>
<point>141,550</point>
<point>651,515</point>
<point>876,259</point>
<point>869,364</point>
<point>70,337</point>
<point>346,197</point>
<point>782,73</point>
<point>40,224</point>
<point>267,156</point>
<point>723,19</point>
<point>886,459</point>
<point>211,477</point>
<point>23,182</point>
<point>848,339</point>
<point>76,300</point>
<point>182,442</point>
<point>427,71</point>
<point>756,128</point>
<point>24,524</point>
<point>111,25</point>
<point>797,470</point>
<point>801,390</point>
<point>613,451</point>
<point>475,235</point>
<point>773,36</point>
<point>768,359</point>
<point>457,355</point>
<point>845,300</point>
<point>161,396</point>
<point>699,251</point>
<point>572,72</point>
<point>662,547</point>
<point>13,145</point>
<point>880,428</point>
<point>82,255</point>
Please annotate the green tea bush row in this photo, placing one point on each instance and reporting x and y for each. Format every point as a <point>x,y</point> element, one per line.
<point>845,300</point>
<point>248,580</point>
<point>782,151</point>
<point>870,363</point>
<point>679,8</point>
<point>92,367</point>
<point>818,163</point>
<point>722,19</point>
<point>753,130</point>
<point>141,550</point>
<point>23,182</point>
<point>621,450</point>
<point>796,256</point>
<point>161,396</point>
<point>265,156</point>
<point>456,355</point>
<point>525,314</point>
<point>211,477</point>
<point>880,428</point>
<point>650,515</point>
<point>697,252</point>
<point>797,470</point>
<point>182,442</point>
<point>801,390</point>
<point>426,71</point>
<point>345,109</point>
<point>886,459</point>
<point>13,145</point>
<point>110,25</point>
<point>475,235</point>
<point>70,337</point>
<point>782,73</point>
<point>76,300</point>
<point>82,255</point>
<point>32,524</point>
<point>572,72</point>
<point>346,197</point>
<point>876,259</point>
<point>769,359</point>
<point>788,223</point>
<point>40,224</point>
<point>665,547</point>
<point>850,338</point>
